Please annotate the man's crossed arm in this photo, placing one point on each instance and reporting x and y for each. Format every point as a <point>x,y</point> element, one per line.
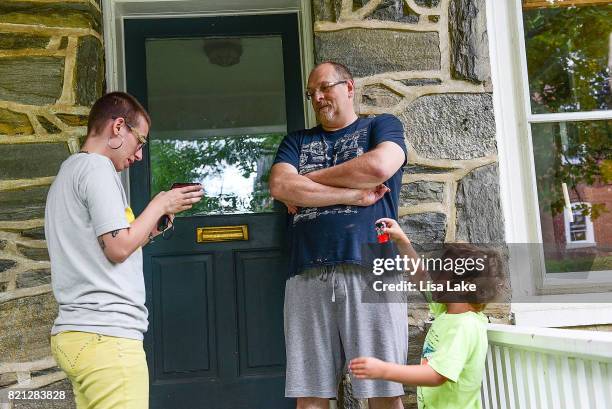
<point>358,181</point>
<point>364,172</point>
<point>296,190</point>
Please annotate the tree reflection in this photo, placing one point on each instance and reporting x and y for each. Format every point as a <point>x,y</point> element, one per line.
<point>568,66</point>
<point>576,154</point>
<point>240,165</point>
<point>568,58</point>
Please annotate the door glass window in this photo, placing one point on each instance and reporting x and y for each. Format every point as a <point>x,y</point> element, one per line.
<point>218,112</point>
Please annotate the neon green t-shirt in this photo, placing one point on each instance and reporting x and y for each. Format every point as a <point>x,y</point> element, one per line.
<point>455,347</point>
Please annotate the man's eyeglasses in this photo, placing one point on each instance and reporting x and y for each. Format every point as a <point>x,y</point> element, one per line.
<point>324,88</point>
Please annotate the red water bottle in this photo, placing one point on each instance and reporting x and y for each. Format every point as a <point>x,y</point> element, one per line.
<point>381,236</point>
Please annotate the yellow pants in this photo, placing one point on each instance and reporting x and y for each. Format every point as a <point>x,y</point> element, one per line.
<point>105,372</point>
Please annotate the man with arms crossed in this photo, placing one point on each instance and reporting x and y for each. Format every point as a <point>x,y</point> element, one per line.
<point>337,179</point>
<point>95,245</point>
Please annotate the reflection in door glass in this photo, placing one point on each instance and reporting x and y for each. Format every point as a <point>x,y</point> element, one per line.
<point>218,114</point>
<point>234,171</point>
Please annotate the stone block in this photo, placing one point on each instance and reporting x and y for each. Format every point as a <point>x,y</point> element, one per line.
<point>8,379</point>
<point>14,123</point>
<point>47,371</point>
<point>25,161</point>
<point>34,278</point>
<point>15,41</point>
<point>34,253</point>
<point>25,324</point>
<point>501,312</point>
<point>58,14</point>
<point>380,96</point>
<point>23,204</point>
<point>469,40</point>
<point>89,71</point>
<point>31,80</point>
<point>37,233</point>
<point>63,43</point>
<point>346,400</point>
<point>419,169</point>
<point>418,311</point>
<point>416,338</point>
<point>48,125</point>
<point>326,10</point>
<point>403,51</point>
<point>425,230</point>
<point>420,82</point>
<point>409,399</point>
<point>73,120</point>
<point>390,10</point>
<point>451,126</point>
<point>6,264</point>
<point>427,3</point>
<point>479,215</point>
<point>421,192</point>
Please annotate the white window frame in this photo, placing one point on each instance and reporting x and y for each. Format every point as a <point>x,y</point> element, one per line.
<point>535,293</point>
<point>568,218</point>
<point>116,11</point>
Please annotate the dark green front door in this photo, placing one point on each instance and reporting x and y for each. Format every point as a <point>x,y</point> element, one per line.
<point>221,92</point>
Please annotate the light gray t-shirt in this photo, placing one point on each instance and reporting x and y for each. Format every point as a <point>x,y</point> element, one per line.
<point>87,200</point>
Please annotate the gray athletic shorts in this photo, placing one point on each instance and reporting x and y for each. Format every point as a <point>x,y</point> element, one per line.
<point>327,325</point>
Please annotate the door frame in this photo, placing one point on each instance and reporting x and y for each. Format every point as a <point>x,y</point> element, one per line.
<point>116,11</point>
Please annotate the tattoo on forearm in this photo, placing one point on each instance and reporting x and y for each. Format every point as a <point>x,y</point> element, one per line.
<point>101,241</point>
<point>114,233</point>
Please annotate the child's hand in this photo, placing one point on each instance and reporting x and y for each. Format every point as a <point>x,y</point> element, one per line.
<point>394,230</point>
<point>367,368</point>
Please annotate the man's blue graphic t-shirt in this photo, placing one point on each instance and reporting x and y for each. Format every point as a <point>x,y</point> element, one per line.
<point>335,234</point>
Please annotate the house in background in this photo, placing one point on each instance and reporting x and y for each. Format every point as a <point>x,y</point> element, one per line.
<point>505,104</point>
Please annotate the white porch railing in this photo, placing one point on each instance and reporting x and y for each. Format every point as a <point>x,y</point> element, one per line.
<point>545,368</point>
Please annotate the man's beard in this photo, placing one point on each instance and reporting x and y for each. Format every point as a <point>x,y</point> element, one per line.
<point>326,115</point>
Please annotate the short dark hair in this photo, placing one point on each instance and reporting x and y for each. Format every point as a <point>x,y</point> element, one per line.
<point>343,72</point>
<point>115,104</point>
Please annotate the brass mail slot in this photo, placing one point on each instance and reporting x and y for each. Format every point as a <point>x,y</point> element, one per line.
<point>222,233</point>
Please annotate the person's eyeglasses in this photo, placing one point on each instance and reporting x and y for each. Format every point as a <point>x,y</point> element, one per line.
<point>142,139</point>
<point>324,88</point>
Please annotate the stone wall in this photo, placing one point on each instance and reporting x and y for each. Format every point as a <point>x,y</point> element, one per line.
<point>51,72</point>
<point>426,61</point>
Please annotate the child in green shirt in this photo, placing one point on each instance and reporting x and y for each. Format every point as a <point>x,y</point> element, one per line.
<point>455,348</point>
